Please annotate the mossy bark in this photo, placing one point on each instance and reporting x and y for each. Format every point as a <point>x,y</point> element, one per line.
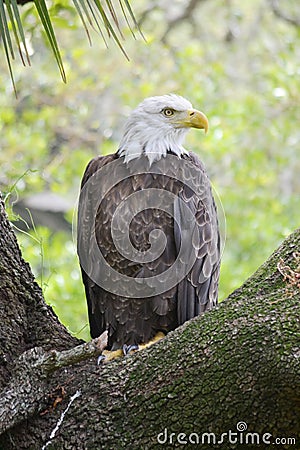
<point>237,363</point>
<point>26,320</point>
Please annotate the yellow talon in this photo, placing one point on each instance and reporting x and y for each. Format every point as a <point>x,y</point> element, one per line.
<point>160,335</point>
<point>108,355</point>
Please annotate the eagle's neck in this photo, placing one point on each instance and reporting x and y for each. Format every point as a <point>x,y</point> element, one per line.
<point>154,143</point>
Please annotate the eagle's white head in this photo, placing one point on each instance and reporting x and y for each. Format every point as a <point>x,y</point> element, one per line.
<point>158,125</point>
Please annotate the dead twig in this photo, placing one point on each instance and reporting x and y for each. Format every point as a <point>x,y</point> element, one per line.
<point>292,276</point>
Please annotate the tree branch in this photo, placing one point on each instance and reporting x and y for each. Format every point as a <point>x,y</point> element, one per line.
<point>56,360</point>
<point>281,15</point>
<point>26,390</point>
<point>186,14</point>
<point>239,362</point>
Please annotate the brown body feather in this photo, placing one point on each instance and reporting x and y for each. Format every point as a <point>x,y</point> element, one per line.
<point>136,320</point>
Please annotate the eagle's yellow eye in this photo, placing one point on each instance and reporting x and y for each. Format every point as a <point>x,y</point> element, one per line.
<point>168,112</point>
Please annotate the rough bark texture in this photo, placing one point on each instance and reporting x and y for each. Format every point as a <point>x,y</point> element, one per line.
<point>26,320</point>
<point>237,363</point>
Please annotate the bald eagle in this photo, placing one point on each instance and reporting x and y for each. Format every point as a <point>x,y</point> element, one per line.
<point>148,235</point>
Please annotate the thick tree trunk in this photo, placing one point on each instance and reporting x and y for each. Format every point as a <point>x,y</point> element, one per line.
<point>235,367</point>
<point>26,321</point>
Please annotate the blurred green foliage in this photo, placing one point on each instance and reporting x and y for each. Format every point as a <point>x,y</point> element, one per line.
<point>236,61</point>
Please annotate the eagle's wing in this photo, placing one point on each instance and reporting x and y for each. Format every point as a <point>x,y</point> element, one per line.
<point>85,216</point>
<point>198,291</point>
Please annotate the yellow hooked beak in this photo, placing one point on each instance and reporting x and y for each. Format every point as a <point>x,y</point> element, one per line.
<point>195,119</point>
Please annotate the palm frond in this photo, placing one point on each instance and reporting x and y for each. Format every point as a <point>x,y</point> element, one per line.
<point>5,39</point>
<point>15,20</point>
<point>46,22</point>
<point>132,17</point>
<point>104,16</point>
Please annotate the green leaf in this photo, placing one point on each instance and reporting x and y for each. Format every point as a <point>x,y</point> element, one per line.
<point>132,16</point>
<point>99,14</point>
<point>98,26</point>
<point>77,6</point>
<point>5,29</point>
<point>108,26</point>
<point>46,21</point>
<point>15,20</point>
<point>5,38</point>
